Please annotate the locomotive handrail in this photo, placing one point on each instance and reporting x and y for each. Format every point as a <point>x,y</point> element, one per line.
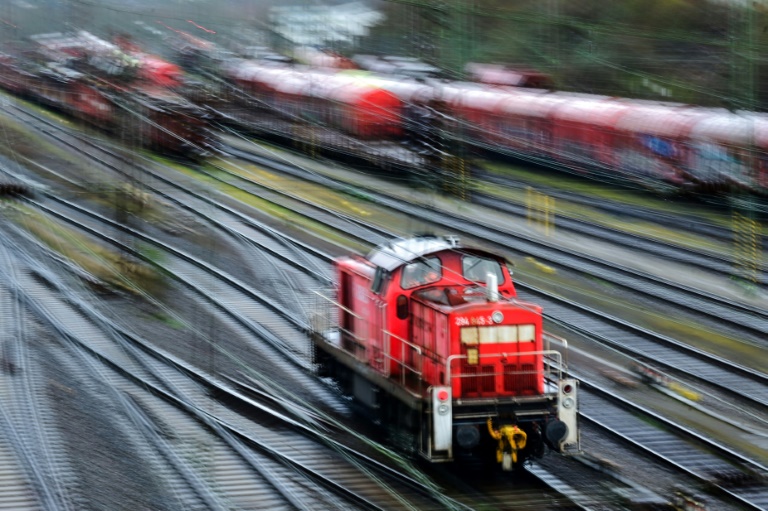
<point>404,341</point>
<point>357,340</point>
<point>416,371</point>
<point>563,342</point>
<point>329,299</point>
<point>546,353</point>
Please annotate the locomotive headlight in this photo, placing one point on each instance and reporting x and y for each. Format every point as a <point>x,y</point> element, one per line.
<point>443,409</point>
<point>497,317</point>
<point>568,402</point>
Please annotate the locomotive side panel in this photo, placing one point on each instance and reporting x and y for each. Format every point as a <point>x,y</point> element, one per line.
<point>356,307</point>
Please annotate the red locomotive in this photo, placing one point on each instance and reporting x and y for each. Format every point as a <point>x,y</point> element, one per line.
<point>430,339</point>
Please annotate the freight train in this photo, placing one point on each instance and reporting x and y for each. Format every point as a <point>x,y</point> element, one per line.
<point>317,110</point>
<point>409,123</point>
<point>135,102</point>
<point>429,338</point>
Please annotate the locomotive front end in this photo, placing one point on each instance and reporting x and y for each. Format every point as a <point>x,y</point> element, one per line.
<point>500,388</point>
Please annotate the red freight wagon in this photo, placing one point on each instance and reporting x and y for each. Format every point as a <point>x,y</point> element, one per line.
<point>341,101</point>
<point>581,130</point>
<point>726,149</point>
<point>652,142</point>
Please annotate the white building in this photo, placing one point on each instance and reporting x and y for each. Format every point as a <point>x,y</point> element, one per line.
<point>322,25</point>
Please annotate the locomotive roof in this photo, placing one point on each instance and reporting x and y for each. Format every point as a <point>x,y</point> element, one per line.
<point>395,253</point>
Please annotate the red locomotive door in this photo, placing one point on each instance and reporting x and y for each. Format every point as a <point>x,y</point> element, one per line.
<point>378,340</point>
<point>345,316</point>
<point>477,378</point>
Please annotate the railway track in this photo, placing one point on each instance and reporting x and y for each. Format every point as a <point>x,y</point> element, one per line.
<point>710,261</point>
<point>231,306</point>
<point>748,384</point>
<point>20,476</point>
<point>331,215</point>
<point>735,477</point>
<point>696,364</point>
<point>263,450</point>
<point>619,210</point>
<point>569,493</point>
<point>739,317</point>
<point>80,214</point>
<point>544,476</point>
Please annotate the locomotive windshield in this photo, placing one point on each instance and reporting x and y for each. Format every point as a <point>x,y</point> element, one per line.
<point>424,271</point>
<point>477,268</point>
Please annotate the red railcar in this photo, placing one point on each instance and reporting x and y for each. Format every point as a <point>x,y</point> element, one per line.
<point>492,74</point>
<point>158,72</point>
<point>339,101</point>
<point>663,145</point>
<point>729,151</point>
<point>62,88</point>
<point>149,116</point>
<point>651,143</point>
<point>165,121</point>
<point>13,76</point>
<point>124,61</point>
<point>430,338</point>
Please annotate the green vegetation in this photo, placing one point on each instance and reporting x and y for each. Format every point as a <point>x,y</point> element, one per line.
<point>109,268</point>
<point>169,319</point>
<point>299,188</point>
<point>20,142</point>
<point>691,51</point>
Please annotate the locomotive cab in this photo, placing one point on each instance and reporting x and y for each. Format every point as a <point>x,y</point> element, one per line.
<point>432,339</point>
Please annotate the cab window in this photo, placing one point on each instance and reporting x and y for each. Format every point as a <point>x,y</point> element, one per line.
<point>476,268</point>
<point>421,272</point>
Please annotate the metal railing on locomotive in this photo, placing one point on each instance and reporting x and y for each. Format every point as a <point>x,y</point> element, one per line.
<point>410,374</point>
<point>553,366</point>
<point>331,329</point>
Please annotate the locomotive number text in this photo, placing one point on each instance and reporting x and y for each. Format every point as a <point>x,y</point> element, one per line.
<point>474,321</point>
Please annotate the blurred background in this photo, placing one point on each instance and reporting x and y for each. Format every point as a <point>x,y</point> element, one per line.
<point>691,51</point>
